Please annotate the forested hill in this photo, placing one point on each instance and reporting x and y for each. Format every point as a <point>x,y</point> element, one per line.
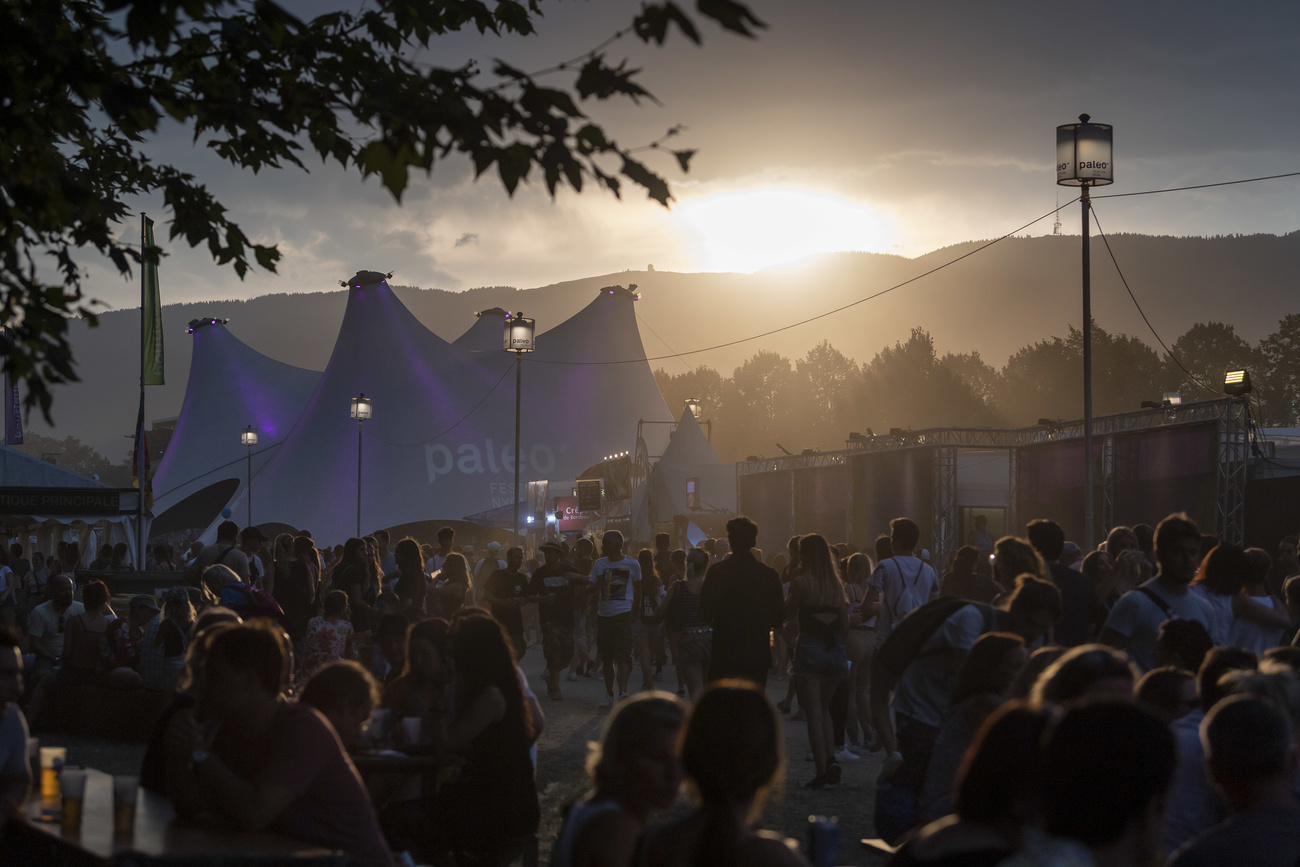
<point>995,301</point>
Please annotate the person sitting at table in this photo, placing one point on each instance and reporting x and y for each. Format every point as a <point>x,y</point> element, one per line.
<point>47,623</point>
<point>81,663</point>
<point>388,652</point>
<point>15,770</point>
<point>162,647</point>
<point>346,694</point>
<point>422,688</point>
<point>122,642</point>
<point>633,772</point>
<point>179,713</point>
<point>272,764</point>
<point>489,811</point>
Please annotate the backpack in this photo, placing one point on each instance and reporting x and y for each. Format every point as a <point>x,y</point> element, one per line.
<point>909,635</point>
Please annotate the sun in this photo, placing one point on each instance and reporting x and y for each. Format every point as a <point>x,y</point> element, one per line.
<point>749,230</point>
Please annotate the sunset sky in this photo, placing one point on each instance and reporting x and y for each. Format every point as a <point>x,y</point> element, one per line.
<point>848,125</point>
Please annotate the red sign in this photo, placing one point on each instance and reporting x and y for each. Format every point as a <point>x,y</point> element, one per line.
<point>569,518</point>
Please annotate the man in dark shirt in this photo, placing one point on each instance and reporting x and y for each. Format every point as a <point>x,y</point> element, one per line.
<point>507,592</point>
<point>1074,627</point>
<point>553,586</point>
<point>741,599</point>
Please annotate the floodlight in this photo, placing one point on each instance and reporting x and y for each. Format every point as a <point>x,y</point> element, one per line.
<point>1237,382</point>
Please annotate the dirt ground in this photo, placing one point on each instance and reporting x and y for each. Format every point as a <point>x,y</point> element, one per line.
<point>575,721</point>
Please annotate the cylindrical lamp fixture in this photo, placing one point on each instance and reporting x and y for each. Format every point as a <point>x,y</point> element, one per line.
<point>362,407</point>
<point>694,405</point>
<point>519,334</point>
<point>1083,154</point>
<point>248,436</point>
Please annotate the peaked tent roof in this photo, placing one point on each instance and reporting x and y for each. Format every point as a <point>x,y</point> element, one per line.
<point>591,376</point>
<point>441,442</point>
<point>21,470</point>
<point>690,456</point>
<point>484,336</point>
<point>434,448</point>
<point>231,386</point>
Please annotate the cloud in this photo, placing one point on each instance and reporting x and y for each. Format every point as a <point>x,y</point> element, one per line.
<point>466,239</point>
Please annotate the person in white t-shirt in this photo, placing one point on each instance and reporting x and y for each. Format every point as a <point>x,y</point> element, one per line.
<point>617,579</point>
<point>900,583</point>
<point>47,623</point>
<point>1134,621</point>
<point>446,539</point>
<point>1247,633</point>
<point>483,571</point>
<point>1219,581</point>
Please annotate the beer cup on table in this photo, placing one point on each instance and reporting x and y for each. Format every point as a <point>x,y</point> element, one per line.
<point>125,788</point>
<point>52,759</point>
<point>72,784</point>
<point>34,760</point>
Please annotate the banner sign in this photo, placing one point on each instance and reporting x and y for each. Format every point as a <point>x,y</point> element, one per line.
<point>60,501</point>
<point>151,337</point>
<point>569,518</point>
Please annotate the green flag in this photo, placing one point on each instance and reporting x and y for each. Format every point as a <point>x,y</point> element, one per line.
<point>151,333</point>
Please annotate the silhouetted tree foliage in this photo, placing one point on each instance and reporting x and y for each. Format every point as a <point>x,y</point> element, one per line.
<point>826,394</point>
<point>72,454</point>
<point>88,85</point>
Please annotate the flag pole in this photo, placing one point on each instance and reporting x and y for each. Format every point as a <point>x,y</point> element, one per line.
<point>140,458</point>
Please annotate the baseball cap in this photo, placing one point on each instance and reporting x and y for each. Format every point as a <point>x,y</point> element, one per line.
<point>494,547</point>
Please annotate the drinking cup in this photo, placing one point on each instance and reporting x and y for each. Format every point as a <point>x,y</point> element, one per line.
<point>72,785</point>
<point>52,759</point>
<point>125,788</point>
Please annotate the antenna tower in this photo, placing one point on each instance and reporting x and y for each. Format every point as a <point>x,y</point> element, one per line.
<point>1056,226</point>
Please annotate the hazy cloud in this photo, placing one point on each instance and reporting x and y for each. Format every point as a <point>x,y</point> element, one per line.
<point>466,239</point>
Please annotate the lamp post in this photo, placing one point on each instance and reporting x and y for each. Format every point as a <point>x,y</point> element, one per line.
<point>696,408</point>
<point>248,437</point>
<point>362,408</point>
<point>1084,159</point>
<point>518,338</point>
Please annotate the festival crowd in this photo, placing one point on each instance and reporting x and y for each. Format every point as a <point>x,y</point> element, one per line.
<point>1034,704</point>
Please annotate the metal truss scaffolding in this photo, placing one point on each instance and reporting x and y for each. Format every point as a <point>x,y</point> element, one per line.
<point>944,534</point>
<point>1233,466</point>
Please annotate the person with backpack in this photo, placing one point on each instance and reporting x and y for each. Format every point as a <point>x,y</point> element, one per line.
<point>900,584</point>
<point>224,552</point>
<point>923,654</point>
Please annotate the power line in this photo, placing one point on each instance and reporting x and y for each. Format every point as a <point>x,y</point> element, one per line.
<point>1193,377</point>
<point>664,342</point>
<point>1197,186</point>
<point>839,309</point>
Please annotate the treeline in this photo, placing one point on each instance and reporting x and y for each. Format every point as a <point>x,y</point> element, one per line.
<point>815,401</point>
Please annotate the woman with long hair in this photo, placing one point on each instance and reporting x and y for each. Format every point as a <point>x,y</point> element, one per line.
<point>329,637</point>
<point>453,588</point>
<point>1013,557</point>
<point>860,644</point>
<point>681,609</point>
<point>817,599</point>
<point>633,773</point>
<point>296,590</point>
<point>731,751</point>
<point>1219,581</point>
<point>412,582</point>
<point>352,576</point>
<point>964,580</point>
<point>644,627</point>
<point>489,813</point>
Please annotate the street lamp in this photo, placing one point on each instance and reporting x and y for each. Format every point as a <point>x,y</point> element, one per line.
<point>248,437</point>
<point>1083,159</point>
<point>696,408</point>
<point>518,338</point>
<point>362,408</point>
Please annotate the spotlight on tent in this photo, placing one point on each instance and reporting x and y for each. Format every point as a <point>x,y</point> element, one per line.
<point>493,311</point>
<point>807,453</point>
<point>897,433</point>
<point>1172,398</point>
<point>1237,382</point>
<point>856,437</point>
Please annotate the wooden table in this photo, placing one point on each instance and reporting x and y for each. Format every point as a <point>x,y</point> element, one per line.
<point>159,837</point>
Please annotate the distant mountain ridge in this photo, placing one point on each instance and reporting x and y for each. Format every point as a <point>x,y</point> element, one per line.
<point>994,301</point>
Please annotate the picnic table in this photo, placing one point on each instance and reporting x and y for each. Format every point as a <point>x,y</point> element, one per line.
<point>159,838</point>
